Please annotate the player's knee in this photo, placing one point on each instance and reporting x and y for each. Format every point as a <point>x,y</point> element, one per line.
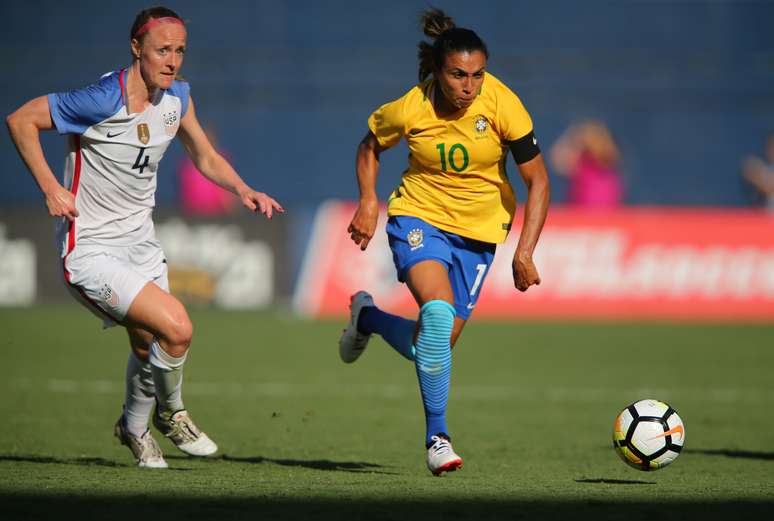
<point>440,292</point>
<point>179,331</point>
<point>182,332</point>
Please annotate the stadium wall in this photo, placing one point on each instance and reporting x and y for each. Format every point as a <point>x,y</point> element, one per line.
<point>234,262</point>
<point>632,264</point>
<point>705,264</point>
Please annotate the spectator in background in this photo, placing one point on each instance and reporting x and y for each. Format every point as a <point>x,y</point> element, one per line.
<point>587,154</point>
<point>199,195</point>
<point>760,174</point>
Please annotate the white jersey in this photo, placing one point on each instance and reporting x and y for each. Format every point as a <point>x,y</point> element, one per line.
<point>113,159</point>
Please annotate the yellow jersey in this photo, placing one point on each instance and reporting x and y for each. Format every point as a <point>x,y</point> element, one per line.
<point>456,178</point>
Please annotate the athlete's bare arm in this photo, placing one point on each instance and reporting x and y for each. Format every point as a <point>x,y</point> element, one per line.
<point>25,125</point>
<point>363,225</point>
<point>535,177</point>
<point>214,167</point>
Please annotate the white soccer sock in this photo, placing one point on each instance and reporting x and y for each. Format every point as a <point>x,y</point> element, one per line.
<point>140,395</point>
<point>168,377</point>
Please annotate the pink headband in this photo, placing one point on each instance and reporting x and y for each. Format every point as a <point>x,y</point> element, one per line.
<point>150,24</point>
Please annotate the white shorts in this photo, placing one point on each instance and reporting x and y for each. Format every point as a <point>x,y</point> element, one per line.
<point>107,279</point>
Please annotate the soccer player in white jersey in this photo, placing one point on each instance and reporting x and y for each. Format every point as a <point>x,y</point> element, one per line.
<point>112,263</point>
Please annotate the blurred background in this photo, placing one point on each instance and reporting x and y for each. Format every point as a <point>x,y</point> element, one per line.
<point>654,117</point>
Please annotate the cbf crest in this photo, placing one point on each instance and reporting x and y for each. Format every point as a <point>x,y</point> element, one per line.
<point>415,238</point>
<point>480,124</point>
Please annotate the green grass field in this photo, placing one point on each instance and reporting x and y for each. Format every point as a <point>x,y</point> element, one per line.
<point>304,436</point>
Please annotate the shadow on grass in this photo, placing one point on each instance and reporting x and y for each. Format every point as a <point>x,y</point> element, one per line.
<point>607,481</point>
<point>42,506</point>
<point>86,462</point>
<point>732,453</point>
<point>320,464</point>
<point>341,466</point>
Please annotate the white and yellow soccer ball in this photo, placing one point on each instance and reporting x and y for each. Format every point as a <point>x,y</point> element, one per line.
<point>648,435</point>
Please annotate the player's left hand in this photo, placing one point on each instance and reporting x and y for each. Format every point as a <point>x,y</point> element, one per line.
<point>260,202</point>
<point>363,226</point>
<point>525,274</point>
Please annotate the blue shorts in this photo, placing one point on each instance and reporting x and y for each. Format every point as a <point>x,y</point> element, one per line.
<point>412,240</point>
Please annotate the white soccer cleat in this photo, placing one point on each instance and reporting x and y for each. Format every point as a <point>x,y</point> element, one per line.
<point>145,449</point>
<point>441,456</point>
<point>352,343</point>
<point>183,432</point>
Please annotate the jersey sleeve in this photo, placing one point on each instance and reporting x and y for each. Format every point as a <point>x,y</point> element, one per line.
<point>182,90</point>
<point>388,123</point>
<point>516,126</point>
<point>75,111</point>
<point>512,118</point>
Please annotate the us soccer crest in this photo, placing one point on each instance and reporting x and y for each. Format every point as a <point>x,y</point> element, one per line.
<point>415,237</point>
<point>171,122</point>
<point>143,133</point>
<point>480,124</point>
<point>108,296</point>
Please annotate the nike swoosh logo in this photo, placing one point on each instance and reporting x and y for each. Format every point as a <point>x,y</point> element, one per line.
<point>679,429</point>
<point>431,369</point>
<point>109,135</point>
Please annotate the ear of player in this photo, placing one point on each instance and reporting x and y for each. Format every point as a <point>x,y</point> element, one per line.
<point>648,435</point>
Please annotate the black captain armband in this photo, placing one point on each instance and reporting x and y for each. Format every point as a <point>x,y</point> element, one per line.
<point>525,148</point>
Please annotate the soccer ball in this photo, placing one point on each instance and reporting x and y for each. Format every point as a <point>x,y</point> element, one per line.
<point>648,435</point>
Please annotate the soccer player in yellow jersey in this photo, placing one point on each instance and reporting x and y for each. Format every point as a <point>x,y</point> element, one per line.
<point>452,207</point>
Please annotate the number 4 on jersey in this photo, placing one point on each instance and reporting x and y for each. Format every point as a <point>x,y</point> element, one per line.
<point>139,163</point>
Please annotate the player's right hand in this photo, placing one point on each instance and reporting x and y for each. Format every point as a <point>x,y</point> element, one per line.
<point>61,203</point>
<point>363,226</point>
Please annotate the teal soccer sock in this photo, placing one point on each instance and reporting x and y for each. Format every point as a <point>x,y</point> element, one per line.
<point>433,363</point>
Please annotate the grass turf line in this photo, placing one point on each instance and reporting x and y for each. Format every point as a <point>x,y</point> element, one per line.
<point>302,434</point>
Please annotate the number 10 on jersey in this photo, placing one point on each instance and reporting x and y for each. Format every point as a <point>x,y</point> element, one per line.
<point>453,157</point>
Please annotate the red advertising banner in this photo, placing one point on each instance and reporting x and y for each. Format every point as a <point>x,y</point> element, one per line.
<point>629,264</point>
